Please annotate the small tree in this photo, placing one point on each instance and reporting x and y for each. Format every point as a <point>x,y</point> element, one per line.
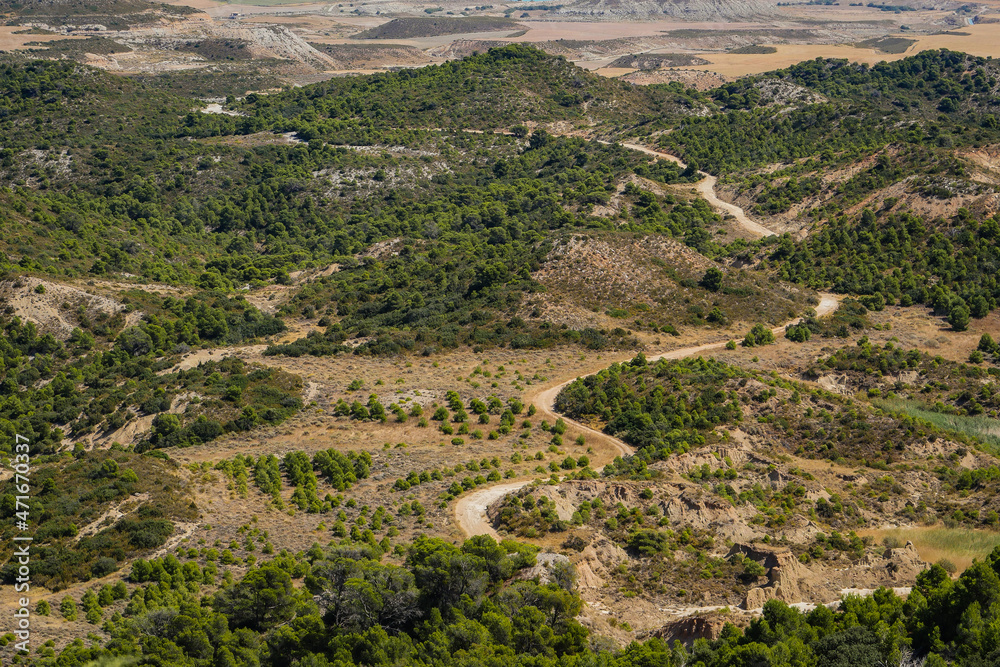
<point>753,569</point>
<point>106,596</point>
<point>758,335</point>
<point>959,318</point>
<point>712,280</point>
<point>798,333</point>
<point>164,424</point>
<point>89,601</point>
<point>716,316</point>
<point>375,409</point>
<point>979,307</point>
<point>68,608</point>
<point>538,139</point>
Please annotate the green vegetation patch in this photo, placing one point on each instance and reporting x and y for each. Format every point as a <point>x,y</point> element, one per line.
<point>981,427</point>
<point>665,407</point>
<point>463,281</point>
<point>866,257</point>
<point>755,49</point>
<point>653,61</point>
<point>105,375</point>
<point>113,14</point>
<point>73,492</point>
<point>75,48</point>
<point>231,397</point>
<point>959,545</point>
<point>887,44</point>
<point>484,91</point>
<point>910,91</point>
<point>675,406</point>
<point>345,601</point>
<point>219,49</point>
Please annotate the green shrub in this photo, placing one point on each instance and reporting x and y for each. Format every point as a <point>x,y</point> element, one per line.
<point>67,607</point>
<point>757,336</point>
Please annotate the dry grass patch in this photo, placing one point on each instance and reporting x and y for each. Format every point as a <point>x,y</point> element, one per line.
<point>959,545</point>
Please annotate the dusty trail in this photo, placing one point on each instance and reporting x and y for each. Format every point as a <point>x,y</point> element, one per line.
<point>470,511</point>
<point>706,188</point>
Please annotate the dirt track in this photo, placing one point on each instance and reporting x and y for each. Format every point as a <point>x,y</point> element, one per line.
<point>470,511</point>
<point>706,188</point>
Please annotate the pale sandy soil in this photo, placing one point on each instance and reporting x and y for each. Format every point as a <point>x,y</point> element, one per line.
<point>321,21</point>
<point>740,64</point>
<point>11,42</point>
<point>54,310</point>
<point>470,510</point>
<point>541,31</point>
<point>343,72</point>
<point>844,12</point>
<point>217,109</point>
<point>422,43</point>
<point>326,22</point>
<point>699,80</point>
<point>615,72</point>
<point>983,40</point>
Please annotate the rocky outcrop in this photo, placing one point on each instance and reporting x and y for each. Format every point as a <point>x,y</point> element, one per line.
<point>785,574</point>
<point>686,630</point>
<point>596,560</point>
<point>834,383</point>
<point>790,581</point>
<point>756,597</point>
<point>700,510</point>
<point>896,565</point>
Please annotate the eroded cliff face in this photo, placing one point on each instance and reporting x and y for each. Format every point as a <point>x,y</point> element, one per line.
<point>790,581</point>
<point>686,630</point>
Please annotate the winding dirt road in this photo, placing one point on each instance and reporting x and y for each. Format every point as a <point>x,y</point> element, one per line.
<point>470,510</point>
<point>706,188</point>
